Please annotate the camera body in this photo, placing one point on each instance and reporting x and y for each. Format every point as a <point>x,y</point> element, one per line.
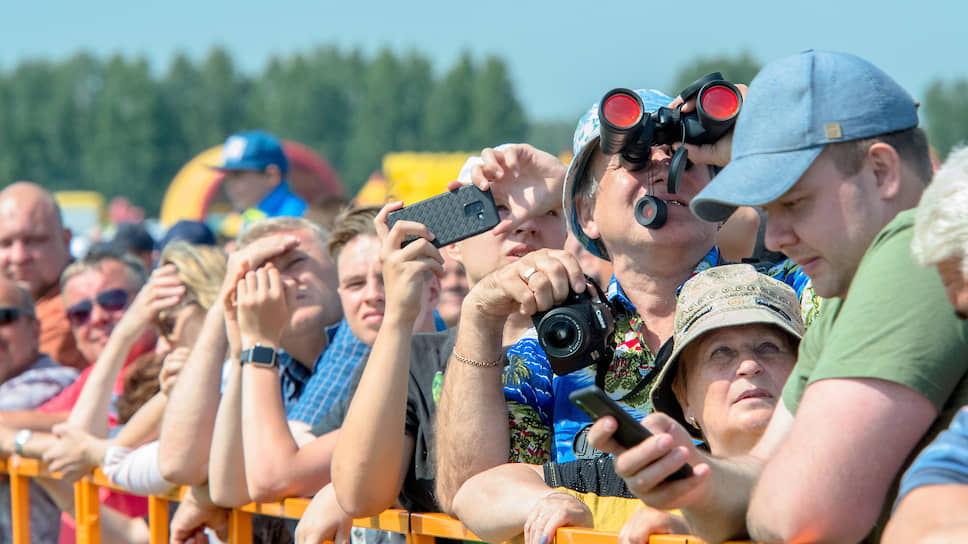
<point>576,333</point>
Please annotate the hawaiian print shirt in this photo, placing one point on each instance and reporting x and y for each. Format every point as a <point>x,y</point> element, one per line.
<point>546,426</point>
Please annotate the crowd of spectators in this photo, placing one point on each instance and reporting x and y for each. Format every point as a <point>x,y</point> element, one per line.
<point>335,357</point>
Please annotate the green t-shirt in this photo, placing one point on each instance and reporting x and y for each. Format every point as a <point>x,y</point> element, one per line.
<point>896,324</point>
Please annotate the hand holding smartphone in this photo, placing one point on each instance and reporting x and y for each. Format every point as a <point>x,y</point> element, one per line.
<point>451,216</point>
<point>596,404</point>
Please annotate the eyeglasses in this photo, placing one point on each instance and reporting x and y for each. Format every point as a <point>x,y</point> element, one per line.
<point>112,301</point>
<point>9,315</point>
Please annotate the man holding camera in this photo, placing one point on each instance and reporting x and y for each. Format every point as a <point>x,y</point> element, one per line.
<point>601,193</point>
<point>828,146</point>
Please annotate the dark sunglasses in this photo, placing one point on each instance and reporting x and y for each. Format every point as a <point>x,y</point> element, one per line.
<point>9,315</point>
<point>112,301</point>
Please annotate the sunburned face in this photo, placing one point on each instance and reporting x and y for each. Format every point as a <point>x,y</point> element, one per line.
<point>611,216</point>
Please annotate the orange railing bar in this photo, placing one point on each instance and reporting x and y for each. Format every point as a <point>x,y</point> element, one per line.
<point>419,528</point>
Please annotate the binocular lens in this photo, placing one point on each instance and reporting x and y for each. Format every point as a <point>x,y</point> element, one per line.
<point>720,102</point>
<point>621,110</point>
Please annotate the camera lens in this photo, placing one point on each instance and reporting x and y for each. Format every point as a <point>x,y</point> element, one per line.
<point>561,335</point>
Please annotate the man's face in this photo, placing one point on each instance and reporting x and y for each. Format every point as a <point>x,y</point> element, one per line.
<point>825,224</point>
<point>246,188</point>
<point>538,228</point>
<point>92,329</point>
<point>611,216</point>
<point>18,337</point>
<point>361,287</point>
<point>953,279</point>
<point>313,273</point>
<point>34,248</point>
<point>453,289</point>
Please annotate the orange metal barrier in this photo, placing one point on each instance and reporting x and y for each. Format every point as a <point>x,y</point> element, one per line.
<point>418,528</point>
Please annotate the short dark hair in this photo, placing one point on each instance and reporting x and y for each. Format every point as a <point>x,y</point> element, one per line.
<point>350,223</point>
<point>911,145</point>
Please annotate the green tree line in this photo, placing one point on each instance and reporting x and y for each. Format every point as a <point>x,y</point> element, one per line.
<point>114,126</point>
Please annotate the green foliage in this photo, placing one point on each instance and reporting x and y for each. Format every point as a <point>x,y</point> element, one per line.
<point>944,114</point>
<point>738,69</point>
<point>114,126</point>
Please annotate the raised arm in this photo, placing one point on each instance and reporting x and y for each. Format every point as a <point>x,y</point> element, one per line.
<point>376,421</point>
<point>163,291</point>
<point>472,422</point>
<point>186,429</point>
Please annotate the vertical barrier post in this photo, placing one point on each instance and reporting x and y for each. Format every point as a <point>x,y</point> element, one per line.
<point>158,519</point>
<point>87,514</point>
<point>20,505</point>
<point>240,527</point>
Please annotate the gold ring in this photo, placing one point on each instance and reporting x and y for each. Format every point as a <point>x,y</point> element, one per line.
<point>528,273</point>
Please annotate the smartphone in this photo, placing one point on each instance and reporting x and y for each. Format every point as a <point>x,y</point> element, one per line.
<point>451,216</point>
<point>594,402</point>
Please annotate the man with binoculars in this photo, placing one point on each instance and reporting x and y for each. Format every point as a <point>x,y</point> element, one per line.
<point>603,199</point>
<point>828,145</point>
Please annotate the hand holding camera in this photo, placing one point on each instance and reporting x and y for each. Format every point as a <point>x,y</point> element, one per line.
<point>536,282</point>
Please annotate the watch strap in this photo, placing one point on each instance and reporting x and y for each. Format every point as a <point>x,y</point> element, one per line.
<point>20,439</point>
<point>258,355</point>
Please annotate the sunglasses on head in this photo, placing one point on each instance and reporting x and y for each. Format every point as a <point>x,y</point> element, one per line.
<point>9,315</point>
<point>112,301</point>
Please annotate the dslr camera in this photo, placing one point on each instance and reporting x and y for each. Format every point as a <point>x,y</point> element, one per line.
<point>576,333</point>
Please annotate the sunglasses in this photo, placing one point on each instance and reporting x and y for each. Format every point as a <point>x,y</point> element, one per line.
<point>111,301</point>
<point>9,315</point>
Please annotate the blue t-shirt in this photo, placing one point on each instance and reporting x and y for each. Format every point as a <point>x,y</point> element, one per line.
<point>944,461</point>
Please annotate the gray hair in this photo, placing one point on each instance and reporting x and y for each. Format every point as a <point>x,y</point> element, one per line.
<point>941,223</point>
<point>275,225</point>
<point>97,256</point>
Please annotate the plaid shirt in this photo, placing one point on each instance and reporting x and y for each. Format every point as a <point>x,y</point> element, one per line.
<point>331,376</point>
<point>41,382</point>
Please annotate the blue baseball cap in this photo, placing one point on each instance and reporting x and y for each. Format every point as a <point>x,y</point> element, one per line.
<point>253,150</point>
<point>583,145</point>
<point>793,108</point>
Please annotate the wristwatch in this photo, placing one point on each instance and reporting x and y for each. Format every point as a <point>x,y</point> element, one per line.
<point>262,356</point>
<point>20,439</point>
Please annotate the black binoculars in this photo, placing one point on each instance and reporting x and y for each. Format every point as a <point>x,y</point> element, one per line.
<point>630,131</point>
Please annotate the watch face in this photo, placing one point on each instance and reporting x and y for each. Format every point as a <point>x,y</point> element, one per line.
<point>259,355</point>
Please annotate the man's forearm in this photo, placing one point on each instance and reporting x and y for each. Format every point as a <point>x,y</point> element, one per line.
<point>472,422</point>
<point>226,464</point>
<point>722,514</point>
<point>267,442</point>
<point>376,424</point>
<point>510,492</point>
<point>186,427</point>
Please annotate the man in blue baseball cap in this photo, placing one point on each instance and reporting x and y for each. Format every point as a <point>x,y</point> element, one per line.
<point>255,170</point>
<point>828,146</point>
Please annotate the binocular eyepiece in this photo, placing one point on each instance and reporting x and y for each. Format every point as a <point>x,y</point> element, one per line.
<point>630,131</point>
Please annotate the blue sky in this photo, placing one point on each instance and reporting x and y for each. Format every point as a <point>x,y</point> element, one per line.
<point>562,55</point>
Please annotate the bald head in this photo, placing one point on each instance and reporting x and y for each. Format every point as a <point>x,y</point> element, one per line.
<point>34,245</point>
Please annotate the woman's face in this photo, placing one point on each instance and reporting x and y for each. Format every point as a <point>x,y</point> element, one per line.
<point>180,328</point>
<point>733,380</point>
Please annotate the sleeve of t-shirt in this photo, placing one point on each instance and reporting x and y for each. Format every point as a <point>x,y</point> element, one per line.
<point>896,324</point>
<point>944,461</point>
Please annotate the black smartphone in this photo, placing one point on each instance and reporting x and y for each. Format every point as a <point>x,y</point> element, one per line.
<point>451,216</point>
<point>594,402</point>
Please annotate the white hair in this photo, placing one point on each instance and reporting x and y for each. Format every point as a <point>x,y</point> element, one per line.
<point>941,221</point>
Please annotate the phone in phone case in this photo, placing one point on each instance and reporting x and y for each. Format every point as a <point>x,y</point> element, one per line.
<point>451,216</point>
<point>596,404</point>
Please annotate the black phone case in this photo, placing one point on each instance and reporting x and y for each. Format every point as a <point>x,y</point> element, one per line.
<point>596,404</point>
<point>451,216</point>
